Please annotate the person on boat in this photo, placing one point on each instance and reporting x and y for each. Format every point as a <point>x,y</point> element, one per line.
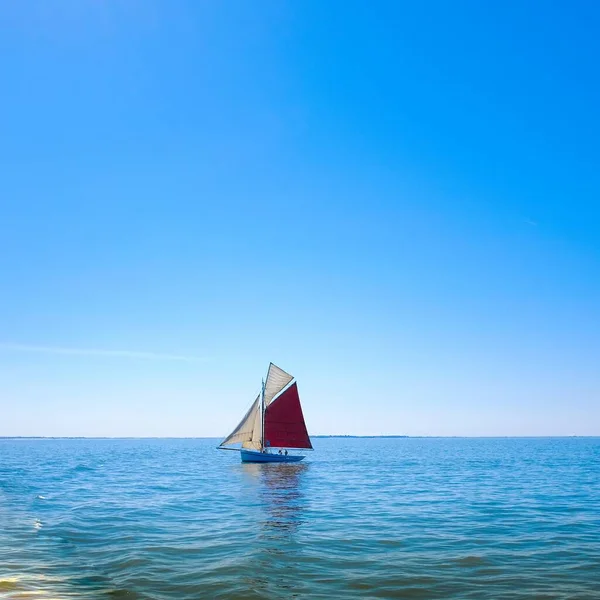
<point>286,452</point>
<point>279,450</point>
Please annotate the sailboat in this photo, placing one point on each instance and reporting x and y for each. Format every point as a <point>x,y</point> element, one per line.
<point>273,424</point>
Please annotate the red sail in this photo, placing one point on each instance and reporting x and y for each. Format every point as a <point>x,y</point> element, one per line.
<point>284,422</point>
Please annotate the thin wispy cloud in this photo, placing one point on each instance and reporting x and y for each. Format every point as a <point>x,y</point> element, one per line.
<point>98,352</point>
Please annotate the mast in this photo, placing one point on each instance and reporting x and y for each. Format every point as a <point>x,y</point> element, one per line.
<point>262,416</point>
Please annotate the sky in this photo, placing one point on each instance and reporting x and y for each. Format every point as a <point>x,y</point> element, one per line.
<point>397,202</point>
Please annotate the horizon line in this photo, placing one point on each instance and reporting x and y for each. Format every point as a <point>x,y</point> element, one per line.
<point>185,437</point>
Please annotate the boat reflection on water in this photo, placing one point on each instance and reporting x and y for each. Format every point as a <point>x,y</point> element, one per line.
<point>282,497</point>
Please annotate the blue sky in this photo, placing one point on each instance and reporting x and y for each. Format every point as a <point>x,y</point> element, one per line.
<point>398,202</point>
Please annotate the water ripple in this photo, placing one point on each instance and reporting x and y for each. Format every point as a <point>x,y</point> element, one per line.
<point>380,518</point>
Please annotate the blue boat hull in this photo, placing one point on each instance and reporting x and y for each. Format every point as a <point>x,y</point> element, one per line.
<point>265,457</point>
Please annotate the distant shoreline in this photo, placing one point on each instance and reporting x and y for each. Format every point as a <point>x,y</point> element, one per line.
<point>359,436</point>
<point>449,437</point>
<point>103,437</point>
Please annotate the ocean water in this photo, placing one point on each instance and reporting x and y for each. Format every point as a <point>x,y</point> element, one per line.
<point>360,518</point>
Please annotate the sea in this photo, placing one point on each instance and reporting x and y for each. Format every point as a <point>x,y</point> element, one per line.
<point>359,518</point>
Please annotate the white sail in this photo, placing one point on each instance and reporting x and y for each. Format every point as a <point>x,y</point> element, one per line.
<point>249,430</point>
<point>256,442</point>
<point>277,379</point>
